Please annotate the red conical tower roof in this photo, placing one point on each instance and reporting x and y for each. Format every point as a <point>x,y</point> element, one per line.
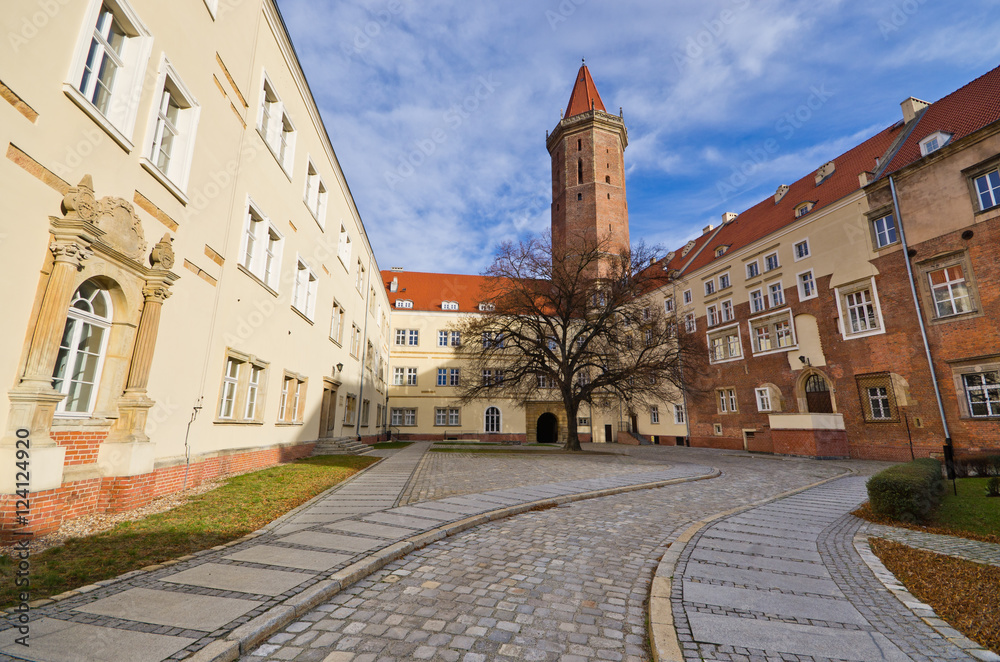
<point>585,96</point>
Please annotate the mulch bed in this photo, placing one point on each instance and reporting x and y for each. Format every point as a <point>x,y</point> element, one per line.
<point>865,513</point>
<point>963,593</point>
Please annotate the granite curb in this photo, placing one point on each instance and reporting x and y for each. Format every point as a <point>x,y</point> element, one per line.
<point>920,609</point>
<point>243,639</point>
<point>664,644</point>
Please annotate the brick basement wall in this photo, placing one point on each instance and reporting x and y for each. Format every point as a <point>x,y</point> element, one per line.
<point>50,508</point>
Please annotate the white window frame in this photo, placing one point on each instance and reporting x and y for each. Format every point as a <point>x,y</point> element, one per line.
<point>712,315</point>
<point>993,191</point>
<point>690,323</point>
<point>668,305</point>
<point>679,414</point>
<point>449,305</point>
<point>771,303</point>
<point>942,138</point>
<point>799,284</point>
<point>727,312</point>
<point>175,177</point>
<point>344,247</point>
<point>876,233</point>
<point>403,303</point>
<point>725,334</point>
<point>497,424</point>
<point>687,297</point>
<point>763,399</point>
<point>795,250</point>
<point>305,288</point>
<point>80,320</point>
<point>315,195</point>
<point>259,230</point>
<point>725,281</point>
<point>654,414</point>
<point>762,299</point>
<point>991,393</point>
<point>771,318</point>
<point>709,287</point>
<point>777,262</point>
<point>279,134</point>
<point>126,95</point>
<point>398,377</point>
<point>756,265</point>
<point>949,286</point>
<point>355,340</point>
<point>845,327</point>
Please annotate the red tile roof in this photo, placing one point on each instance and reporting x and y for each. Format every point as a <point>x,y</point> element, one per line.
<point>585,96</point>
<point>766,217</point>
<point>427,290</point>
<point>962,112</point>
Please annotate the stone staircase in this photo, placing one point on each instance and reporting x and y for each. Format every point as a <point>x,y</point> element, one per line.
<point>345,446</point>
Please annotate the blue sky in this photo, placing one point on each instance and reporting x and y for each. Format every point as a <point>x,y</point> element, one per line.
<point>438,110</point>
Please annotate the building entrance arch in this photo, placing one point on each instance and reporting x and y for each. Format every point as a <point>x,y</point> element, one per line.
<point>547,428</point>
<point>818,398</point>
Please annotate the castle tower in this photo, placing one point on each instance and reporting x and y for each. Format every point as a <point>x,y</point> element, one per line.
<point>588,171</point>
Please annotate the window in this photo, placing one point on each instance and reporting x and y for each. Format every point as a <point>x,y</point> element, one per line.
<point>757,301</point>
<point>453,377</point>
<point>803,209</point>
<point>654,414</point>
<point>275,127</point>
<point>690,325</point>
<point>724,281</point>
<point>449,305</point>
<point>315,195</point>
<point>725,345</point>
<point>687,296</point>
<point>403,303</point>
<point>772,333</point>
<point>83,348</point>
<point>583,421</point>
<point>807,286</point>
<point>753,269</point>
<point>859,308</point>
<point>350,409</point>
<point>398,376</point>
<point>173,125</point>
<point>492,377</point>
<point>771,262</point>
<point>934,142</point>
<point>727,311</point>
<point>253,390</point>
<point>359,282</point>
<point>365,410</point>
<point>776,293</point>
<point>262,248</point>
<point>646,314</point>
<point>442,338</point>
<point>446,416</point>
<point>409,337</point>
<point>403,417</point>
<point>355,341</point>
<point>411,376</point>
<point>709,287</point>
<point>491,420</point>
<point>713,315</point>
<point>109,66</point>
<point>801,250</point>
<point>292,404</point>
<point>763,399</point>
<point>442,378</point>
<point>982,391</point>
<point>884,231</point>
<point>456,338</point>
<point>492,339</point>
<point>878,401</point>
<point>949,291</point>
<point>344,248</point>
<point>668,305</point>
<point>721,250</point>
<point>486,307</point>
<point>726,401</point>
<point>679,414</point>
<point>304,294</point>
<point>544,381</point>
<point>988,189</point>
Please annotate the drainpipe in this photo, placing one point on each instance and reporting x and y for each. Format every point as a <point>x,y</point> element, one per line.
<point>923,329</point>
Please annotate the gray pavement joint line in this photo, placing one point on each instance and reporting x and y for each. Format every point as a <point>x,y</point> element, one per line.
<point>662,635</point>
<point>920,609</point>
<point>409,481</point>
<point>244,638</point>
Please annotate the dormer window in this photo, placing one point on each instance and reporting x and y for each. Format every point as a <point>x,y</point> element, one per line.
<point>803,208</point>
<point>404,303</point>
<point>449,305</point>
<point>721,250</point>
<point>934,142</point>
<point>486,306</point>
<point>687,248</point>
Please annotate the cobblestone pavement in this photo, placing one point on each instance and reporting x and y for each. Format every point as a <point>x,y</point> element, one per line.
<point>784,579</point>
<point>567,584</point>
<point>963,548</point>
<point>441,475</point>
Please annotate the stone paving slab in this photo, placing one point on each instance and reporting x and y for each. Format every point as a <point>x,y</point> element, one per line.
<point>776,540</point>
<point>181,610</point>
<point>434,514</point>
<point>238,578</point>
<point>415,523</point>
<point>332,541</point>
<point>787,553</point>
<point>963,548</point>
<point>795,639</point>
<point>288,557</point>
<point>768,602</point>
<point>62,641</point>
<point>763,579</point>
<point>762,562</point>
<point>371,529</point>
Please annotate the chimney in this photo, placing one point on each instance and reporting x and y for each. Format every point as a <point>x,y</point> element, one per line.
<point>652,261</point>
<point>825,171</point>
<point>863,178</point>
<point>780,193</point>
<point>708,228</point>
<point>394,285</point>
<point>729,217</point>
<point>911,107</point>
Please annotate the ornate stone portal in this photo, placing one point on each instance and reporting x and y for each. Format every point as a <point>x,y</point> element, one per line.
<point>101,240</point>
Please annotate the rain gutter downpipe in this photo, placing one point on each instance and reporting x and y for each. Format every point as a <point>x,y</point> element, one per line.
<point>920,323</point>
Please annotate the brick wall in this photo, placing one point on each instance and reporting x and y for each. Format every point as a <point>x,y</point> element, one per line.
<point>81,445</point>
<point>811,443</point>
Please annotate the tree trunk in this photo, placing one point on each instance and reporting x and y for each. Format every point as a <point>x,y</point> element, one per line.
<point>572,436</point>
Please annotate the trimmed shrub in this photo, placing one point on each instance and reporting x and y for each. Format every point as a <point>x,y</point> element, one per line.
<point>907,492</point>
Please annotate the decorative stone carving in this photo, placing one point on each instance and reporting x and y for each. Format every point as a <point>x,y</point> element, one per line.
<point>123,229</point>
<point>70,251</point>
<point>162,255</point>
<point>79,201</point>
<point>159,292</point>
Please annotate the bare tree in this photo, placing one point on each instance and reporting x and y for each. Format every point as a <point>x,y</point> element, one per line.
<point>575,328</point>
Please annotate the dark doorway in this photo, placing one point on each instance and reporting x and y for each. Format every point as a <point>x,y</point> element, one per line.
<point>635,423</point>
<point>818,400</point>
<point>547,428</point>
<point>607,434</point>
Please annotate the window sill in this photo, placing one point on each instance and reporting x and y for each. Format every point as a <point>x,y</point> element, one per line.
<point>729,360</point>
<point>226,421</point>
<point>336,342</point>
<point>275,155</point>
<point>86,106</point>
<point>288,424</point>
<point>255,277</point>
<point>979,418</point>
<point>161,177</point>
<point>955,318</point>
<point>777,351</point>
<point>864,334</point>
<point>303,315</point>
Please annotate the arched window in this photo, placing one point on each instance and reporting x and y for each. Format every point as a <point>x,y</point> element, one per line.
<point>83,348</point>
<point>492,420</point>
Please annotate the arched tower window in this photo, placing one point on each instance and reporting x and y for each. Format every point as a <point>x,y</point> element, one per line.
<point>491,421</point>
<point>83,348</point>
<point>579,171</point>
<point>607,179</point>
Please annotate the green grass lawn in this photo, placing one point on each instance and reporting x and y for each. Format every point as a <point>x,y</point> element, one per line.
<point>971,511</point>
<point>243,505</point>
<point>392,444</point>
